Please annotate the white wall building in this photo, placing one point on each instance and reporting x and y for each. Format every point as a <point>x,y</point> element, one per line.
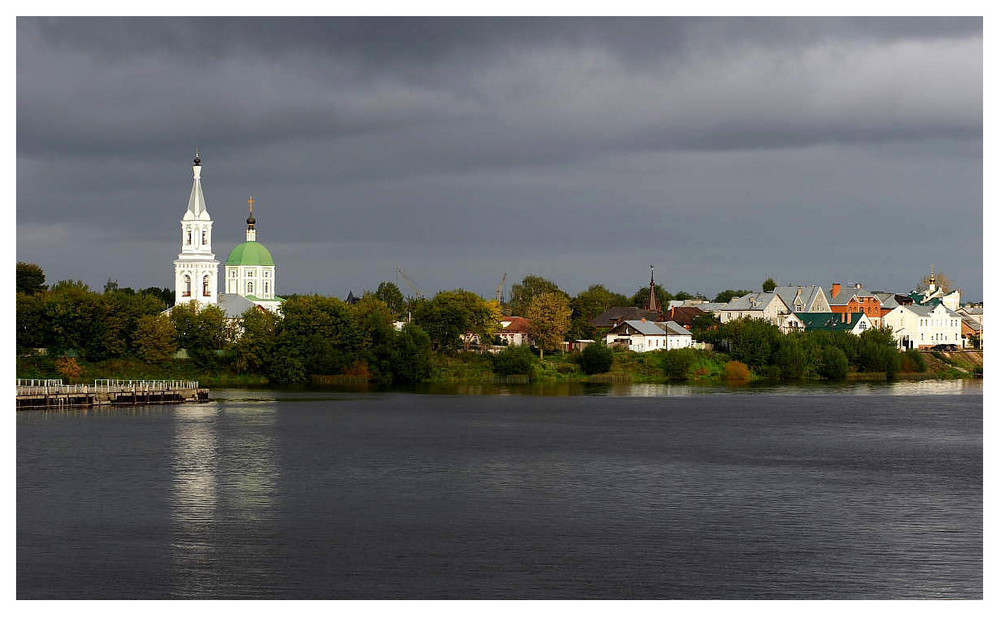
<point>767,306</point>
<point>250,270</point>
<point>637,335</point>
<point>196,269</point>
<point>916,326</point>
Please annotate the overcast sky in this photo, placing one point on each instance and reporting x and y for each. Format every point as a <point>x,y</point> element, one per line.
<point>722,150</point>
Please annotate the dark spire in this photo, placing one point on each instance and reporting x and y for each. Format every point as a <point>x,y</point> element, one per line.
<point>654,305</point>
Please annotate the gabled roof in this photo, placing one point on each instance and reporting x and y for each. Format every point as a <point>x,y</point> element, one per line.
<point>672,328</point>
<point>712,307</point>
<point>684,314</point>
<point>829,321</point>
<point>809,293</point>
<point>616,313</point>
<point>516,325</point>
<point>925,309</point>
<point>647,328</point>
<point>755,301</point>
<point>846,293</point>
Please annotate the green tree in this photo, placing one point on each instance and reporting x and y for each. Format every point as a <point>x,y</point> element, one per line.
<point>514,360</point>
<point>683,295</point>
<point>318,335</point>
<point>374,320</point>
<point>641,297</point>
<point>677,363</point>
<point>878,352</point>
<point>30,278</point>
<point>596,358</point>
<point>833,364</point>
<point>521,294</point>
<point>450,314</point>
<point>410,355</point>
<point>254,347</point>
<point>202,331</point>
<point>164,294</point>
<point>751,341</point>
<point>789,358</point>
<point>390,294</point>
<point>595,300</point>
<point>550,319</point>
<point>768,285</point>
<point>729,294</point>
<point>156,338</point>
<point>31,322</point>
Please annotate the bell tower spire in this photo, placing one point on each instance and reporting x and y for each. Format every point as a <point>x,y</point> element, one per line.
<point>196,269</point>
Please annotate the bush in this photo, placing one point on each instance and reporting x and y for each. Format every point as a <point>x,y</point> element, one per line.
<point>736,371</point>
<point>677,363</point>
<point>515,360</point>
<point>596,358</point>
<point>833,363</point>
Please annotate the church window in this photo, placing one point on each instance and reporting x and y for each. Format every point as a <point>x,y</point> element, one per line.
<point>205,286</point>
<point>204,236</point>
<point>249,287</point>
<point>266,288</point>
<point>267,273</point>
<point>188,236</point>
<point>187,286</point>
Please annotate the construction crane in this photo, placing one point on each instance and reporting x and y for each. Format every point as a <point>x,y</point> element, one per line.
<point>409,281</point>
<point>500,289</point>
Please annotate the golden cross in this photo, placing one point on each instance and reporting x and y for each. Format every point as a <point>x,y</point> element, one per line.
<point>250,201</point>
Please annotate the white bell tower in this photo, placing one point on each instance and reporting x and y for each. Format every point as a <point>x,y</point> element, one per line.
<point>196,269</point>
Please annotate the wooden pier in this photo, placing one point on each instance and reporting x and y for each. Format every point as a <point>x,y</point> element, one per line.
<point>54,394</point>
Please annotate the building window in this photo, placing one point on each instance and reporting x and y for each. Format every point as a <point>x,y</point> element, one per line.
<point>249,287</point>
<point>188,241</point>
<point>187,287</point>
<point>205,291</point>
<point>266,288</point>
<point>204,236</point>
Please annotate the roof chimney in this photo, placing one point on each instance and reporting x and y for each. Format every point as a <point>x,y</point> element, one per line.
<point>835,290</point>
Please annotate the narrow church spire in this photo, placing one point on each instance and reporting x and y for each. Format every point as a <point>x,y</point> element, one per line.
<point>654,304</point>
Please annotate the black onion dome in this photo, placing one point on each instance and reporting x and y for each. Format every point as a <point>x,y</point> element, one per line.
<point>197,160</point>
<point>251,220</point>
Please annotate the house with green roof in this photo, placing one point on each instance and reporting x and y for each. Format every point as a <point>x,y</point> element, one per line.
<point>855,323</point>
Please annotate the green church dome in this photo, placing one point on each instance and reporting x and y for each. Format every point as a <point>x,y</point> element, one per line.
<point>250,254</point>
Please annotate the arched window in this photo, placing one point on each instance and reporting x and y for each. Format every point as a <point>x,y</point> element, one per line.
<point>187,286</point>
<point>266,288</point>
<point>205,286</point>
<point>249,287</point>
<point>188,241</point>
<point>204,236</point>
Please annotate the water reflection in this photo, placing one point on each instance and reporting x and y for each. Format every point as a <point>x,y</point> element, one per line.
<point>224,483</point>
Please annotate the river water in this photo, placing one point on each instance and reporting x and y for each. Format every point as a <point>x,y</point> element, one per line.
<point>563,491</point>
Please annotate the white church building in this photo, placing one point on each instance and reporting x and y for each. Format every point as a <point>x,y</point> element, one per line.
<point>249,273</point>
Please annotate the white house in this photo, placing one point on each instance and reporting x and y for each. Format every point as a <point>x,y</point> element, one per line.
<point>916,326</point>
<point>759,305</point>
<point>678,337</point>
<point>637,335</point>
<point>514,331</point>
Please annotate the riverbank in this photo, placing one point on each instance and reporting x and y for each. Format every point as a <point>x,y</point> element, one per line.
<point>705,368</point>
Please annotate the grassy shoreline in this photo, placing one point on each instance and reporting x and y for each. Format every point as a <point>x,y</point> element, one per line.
<point>474,369</point>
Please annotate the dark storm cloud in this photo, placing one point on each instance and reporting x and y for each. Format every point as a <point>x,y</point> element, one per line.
<point>582,146</point>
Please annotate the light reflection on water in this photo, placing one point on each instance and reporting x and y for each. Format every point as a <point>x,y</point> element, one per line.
<point>225,481</point>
